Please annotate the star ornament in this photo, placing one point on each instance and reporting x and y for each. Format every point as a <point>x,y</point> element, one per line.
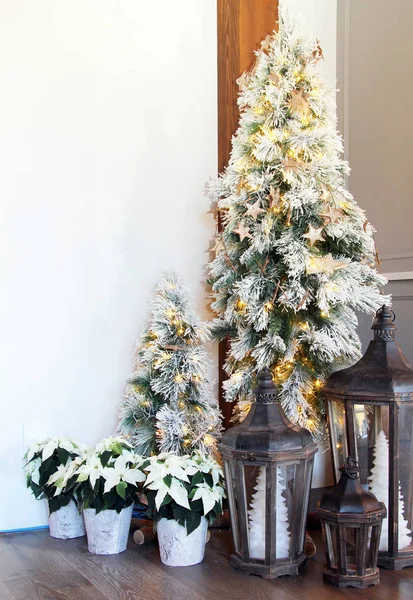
<point>314,234</point>
<point>317,53</point>
<point>298,102</point>
<point>290,166</point>
<point>275,79</point>
<point>254,210</point>
<point>243,232</point>
<point>218,246</point>
<point>324,264</point>
<point>266,43</point>
<point>331,215</point>
<point>274,198</point>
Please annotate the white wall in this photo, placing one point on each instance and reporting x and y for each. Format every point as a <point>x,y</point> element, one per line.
<point>108,133</point>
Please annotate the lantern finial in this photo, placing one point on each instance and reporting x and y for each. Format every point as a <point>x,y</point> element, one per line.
<point>266,391</point>
<point>384,326</point>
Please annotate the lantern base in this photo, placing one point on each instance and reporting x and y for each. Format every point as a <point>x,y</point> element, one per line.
<point>357,581</point>
<point>395,564</point>
<point>267,571</point>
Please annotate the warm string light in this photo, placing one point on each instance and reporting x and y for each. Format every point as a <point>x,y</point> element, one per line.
<point>179,378</point>
<point>269,306</point>
<point>324,314</point>
<point>240,305</point>
<point>318,383</point>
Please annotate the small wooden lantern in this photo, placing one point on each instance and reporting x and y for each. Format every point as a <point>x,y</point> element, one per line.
<point>268,465</point>
<point>351,519</point>
<point>370,413</point>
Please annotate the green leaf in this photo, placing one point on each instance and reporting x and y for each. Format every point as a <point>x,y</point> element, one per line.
<point>105,457</point>
<point>63,455</point>
<point>197,478</point>
<point>121,489</point>
<point>168,480</point>
<point>193,521</point>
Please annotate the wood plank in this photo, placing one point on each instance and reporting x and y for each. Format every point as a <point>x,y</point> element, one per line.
<point>61,586</point>
<point>13,564</point>
<point>121,577</point>
<point>5,593</point>
<point>64,570</point>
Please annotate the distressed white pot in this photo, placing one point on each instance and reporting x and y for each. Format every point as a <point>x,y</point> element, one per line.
<point>177,549</point>
<point>107,531</point>
<point>66,522</point>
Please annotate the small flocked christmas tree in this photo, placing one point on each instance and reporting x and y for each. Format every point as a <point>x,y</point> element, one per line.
<point>169,404</point>
<point>256,517</point>
<point>296,257</point>
<point>379,486</point>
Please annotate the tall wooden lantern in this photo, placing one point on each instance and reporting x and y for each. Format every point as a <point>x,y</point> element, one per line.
<point>268,465</point>
<point>351,519</point>
<point>370,410</point>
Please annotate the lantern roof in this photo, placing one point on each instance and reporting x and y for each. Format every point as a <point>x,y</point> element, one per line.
<point>348,496</point>
<point>382,371</point>
<point>266,429</point>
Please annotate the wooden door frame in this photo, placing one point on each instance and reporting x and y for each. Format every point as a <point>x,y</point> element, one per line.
<point>242,24</point>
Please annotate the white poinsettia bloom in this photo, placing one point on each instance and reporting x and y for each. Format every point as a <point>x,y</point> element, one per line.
<point>112,443</point>
<point>206,464</point>
<point>208,495</point>
<point>62,475</point>
<point>34,449</point>
<point>91,469</point>
<point>121,472</point>
<point>32,470</point>
<point>176,490</point>
<point>169,464</point>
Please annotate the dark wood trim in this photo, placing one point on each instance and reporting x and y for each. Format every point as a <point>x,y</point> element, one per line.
<point>242,24</point>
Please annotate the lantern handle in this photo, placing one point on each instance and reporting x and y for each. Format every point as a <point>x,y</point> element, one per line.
<point>352,468</point>
<point>384,308</point>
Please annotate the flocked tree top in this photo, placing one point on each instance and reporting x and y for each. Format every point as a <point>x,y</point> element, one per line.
<point>296,257</point>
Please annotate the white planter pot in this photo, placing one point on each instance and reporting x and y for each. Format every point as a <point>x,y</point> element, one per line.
<point>107,531</point>
<point>177,549</point>
<point>66,522</point>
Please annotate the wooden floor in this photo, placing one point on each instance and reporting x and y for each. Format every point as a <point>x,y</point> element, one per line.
<point>33,565</point>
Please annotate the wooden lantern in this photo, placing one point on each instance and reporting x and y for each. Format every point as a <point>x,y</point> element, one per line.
<point>268,465</point>
<point>351,519</point>
<point>370,411</point>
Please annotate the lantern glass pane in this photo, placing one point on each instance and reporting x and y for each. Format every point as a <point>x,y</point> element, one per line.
<point>405,478</point>
<point>284,495</point>
<point>331,530</point>
<point>255,482</point>
<point>232,492</point>
<point>372,535</point>
<point>338,434</point>
<point>369,421</point>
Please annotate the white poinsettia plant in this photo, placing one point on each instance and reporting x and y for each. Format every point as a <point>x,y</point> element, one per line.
<point>184,488</point>
<point>50,466</point>
<point>108,477</point>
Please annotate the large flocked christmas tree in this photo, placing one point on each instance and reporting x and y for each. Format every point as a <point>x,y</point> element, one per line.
<point>169,404</point>
<point>296,256</point>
